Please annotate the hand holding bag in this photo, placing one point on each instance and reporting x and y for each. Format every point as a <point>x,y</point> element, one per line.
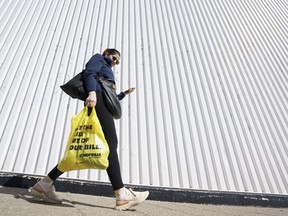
<point>87,147</point>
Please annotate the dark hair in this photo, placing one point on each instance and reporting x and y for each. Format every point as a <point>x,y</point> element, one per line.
<point>110,52</point>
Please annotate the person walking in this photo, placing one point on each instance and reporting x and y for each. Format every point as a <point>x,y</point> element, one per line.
<point>125,198</point>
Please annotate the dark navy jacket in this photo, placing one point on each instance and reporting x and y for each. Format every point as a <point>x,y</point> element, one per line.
<point>98,65</point>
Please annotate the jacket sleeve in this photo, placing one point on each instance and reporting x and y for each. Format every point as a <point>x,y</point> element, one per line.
<point>121,95</point>
<point>93,66</point>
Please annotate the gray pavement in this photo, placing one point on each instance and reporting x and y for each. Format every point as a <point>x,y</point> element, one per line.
<point>18,202</point>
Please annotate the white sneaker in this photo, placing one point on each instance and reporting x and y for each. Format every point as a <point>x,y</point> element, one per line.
<point>46,192</point>
<point>130,198</point>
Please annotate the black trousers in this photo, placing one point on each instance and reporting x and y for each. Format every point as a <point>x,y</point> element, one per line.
<point>108,127</point>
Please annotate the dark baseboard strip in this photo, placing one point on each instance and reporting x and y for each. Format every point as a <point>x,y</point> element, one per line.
<point>156,193</point>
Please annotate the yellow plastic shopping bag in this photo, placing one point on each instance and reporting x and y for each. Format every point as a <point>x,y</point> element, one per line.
<point>87,147</point>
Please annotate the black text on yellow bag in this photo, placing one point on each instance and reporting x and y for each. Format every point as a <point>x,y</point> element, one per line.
<point>87,147</point>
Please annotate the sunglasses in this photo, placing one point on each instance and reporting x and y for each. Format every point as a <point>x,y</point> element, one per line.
<point>115,60</point>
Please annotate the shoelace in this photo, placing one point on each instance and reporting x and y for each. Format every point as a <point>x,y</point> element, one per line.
<point>132,192</point>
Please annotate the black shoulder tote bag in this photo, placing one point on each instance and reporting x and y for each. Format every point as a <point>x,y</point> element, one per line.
<point>110,97</point>
<point>75,87</point>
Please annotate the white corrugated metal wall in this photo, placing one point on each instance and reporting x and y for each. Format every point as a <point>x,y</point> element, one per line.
<point>210,107</point>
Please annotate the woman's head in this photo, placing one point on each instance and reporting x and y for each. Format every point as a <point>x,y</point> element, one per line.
<point>113,54</point>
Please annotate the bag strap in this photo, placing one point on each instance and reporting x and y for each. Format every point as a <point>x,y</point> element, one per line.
<point>98,77</point>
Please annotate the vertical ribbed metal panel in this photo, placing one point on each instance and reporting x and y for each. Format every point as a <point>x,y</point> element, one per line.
<point>210,108</point>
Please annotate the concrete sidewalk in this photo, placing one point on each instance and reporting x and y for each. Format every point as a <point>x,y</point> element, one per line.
<point>18,202</point>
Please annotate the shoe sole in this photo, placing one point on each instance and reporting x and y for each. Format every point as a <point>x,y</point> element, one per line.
<point>131,204</point>
<point>42,196</point>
